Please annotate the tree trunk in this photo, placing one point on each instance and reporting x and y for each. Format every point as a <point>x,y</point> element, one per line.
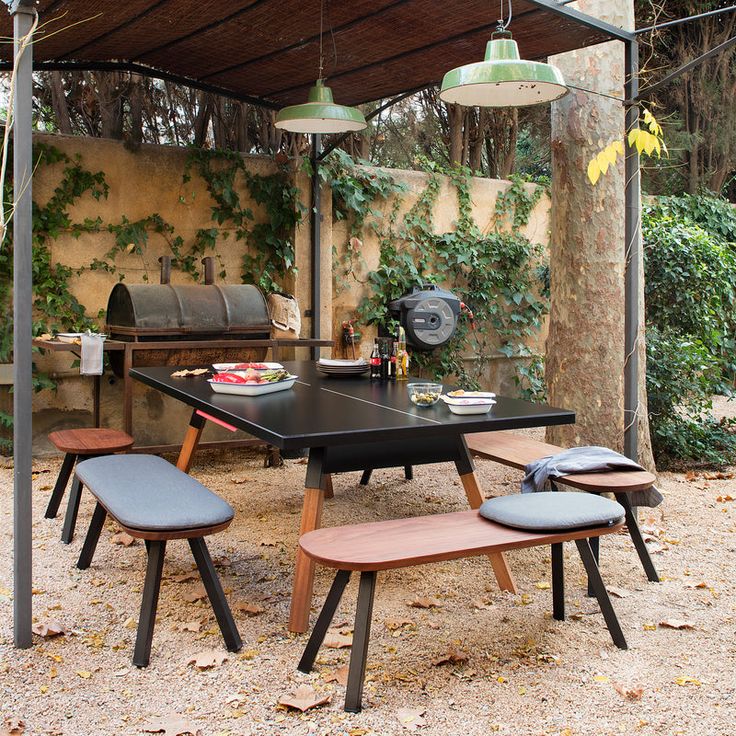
<point>456,115</point>
<point>136,111</point>
<point>585,348</point>
<point>59,103</point>
<point>202,120</point>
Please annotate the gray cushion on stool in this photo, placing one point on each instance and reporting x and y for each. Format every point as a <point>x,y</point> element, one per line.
<point>146,492</point>
<point>553,511</point>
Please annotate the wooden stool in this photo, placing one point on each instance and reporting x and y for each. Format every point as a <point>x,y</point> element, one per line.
<point>80,443</point>
<point>154,501</point>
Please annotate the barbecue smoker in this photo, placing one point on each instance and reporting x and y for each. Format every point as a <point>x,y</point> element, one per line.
<point>429,315</point>
<point>207,313</point>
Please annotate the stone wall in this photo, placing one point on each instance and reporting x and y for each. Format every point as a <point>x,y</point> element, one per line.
<point>150,181</point>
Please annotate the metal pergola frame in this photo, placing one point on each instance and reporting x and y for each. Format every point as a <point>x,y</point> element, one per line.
<point>24,14</point>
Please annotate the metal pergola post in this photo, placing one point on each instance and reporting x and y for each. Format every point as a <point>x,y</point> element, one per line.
<point>316,235</point>
<point>632,244</point>
<point>23,17</point>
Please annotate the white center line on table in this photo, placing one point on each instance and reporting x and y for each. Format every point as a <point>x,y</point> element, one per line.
<point>381,406</point>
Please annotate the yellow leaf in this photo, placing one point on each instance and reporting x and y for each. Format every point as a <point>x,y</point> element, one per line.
<point>633,134</point>
<point>601,678</point>
<point>594,171</point>
<point>602,162</point>
<point>619,146</point>
<point>641,140</point>
<point>84,674</point>
<point>650,627</point>
<point>649,143</point>
<point>610,152</point>
<point>686,680</point>
<point>542,586</point>
<point>44,689</point>
<point>501,679</point>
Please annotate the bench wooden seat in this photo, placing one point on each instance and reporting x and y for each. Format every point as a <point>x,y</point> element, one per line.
<point>517,451</point>
<point>385,545</point>
<point>85,442</point>
<point>154,501</point>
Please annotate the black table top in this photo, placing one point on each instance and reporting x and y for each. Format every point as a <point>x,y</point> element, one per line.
<point>322,412</point>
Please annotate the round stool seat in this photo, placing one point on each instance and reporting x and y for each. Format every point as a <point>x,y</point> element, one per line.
<point>553,511</point>
<point>91,441</point>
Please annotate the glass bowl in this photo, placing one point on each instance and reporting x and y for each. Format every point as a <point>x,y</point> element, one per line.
<point>424,394</point>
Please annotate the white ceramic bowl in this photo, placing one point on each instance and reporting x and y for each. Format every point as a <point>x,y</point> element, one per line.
<point>468,405</point>
<point>252,389</point>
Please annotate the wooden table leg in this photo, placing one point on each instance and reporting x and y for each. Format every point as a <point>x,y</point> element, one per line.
<point>301,596</point>
<point>329,491</point>
<point>465,469</point>
<point>191,440</point>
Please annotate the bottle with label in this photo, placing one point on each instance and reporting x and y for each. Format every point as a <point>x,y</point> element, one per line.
<point>393,365</point>
<point>375,362</point>
<point>402,357</point>
<point>385,359</point>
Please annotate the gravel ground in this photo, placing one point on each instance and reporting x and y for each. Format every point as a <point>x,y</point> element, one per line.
<point>512,670</point>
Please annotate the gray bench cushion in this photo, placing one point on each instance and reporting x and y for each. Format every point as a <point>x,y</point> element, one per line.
<point>553,511</point>
<point>145,492</point>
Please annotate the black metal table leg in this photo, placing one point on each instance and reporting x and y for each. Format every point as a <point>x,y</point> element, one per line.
<point>558,582</point>
<point>323,621</point>
<point>93,536</point>
<point>361,636</point>
<point>408,472</point>
<point>142,652</point>
<point>594,576</point>
<point>365,479</point>
<point>595,548</point>
<point>635,533</point>
<point>60,486</point>
<point>72,509</point>
<point>216,594</point>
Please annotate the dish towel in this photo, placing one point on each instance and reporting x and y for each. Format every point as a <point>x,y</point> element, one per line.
<point>591,459</point>
<point>91,363</point>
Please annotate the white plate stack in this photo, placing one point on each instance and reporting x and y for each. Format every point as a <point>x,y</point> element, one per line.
<point>342,368</point>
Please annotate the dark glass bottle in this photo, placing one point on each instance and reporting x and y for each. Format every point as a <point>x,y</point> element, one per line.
<point>385,360</point>
<point>393,364</point>
<point>375,362</point>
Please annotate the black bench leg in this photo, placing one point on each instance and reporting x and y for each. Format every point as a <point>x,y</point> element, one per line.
<point>72,509</point>
<point>58,493</point>
<point>323,621</point>
<point>216,594</point>
<point>93,535</point>
<point>365,479</point>
<point>594,575</point>
<point>595,548</point>
<point>361,635</point>
<point>558,582</point>
<point>408,472</point>
<point>147,619</point>
<point>635,533</point>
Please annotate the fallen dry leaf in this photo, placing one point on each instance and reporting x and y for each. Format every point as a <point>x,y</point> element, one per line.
<point>425,603</point>
<point>122,538</point>
<point>481,604</point>
<point>687,680</point>
<point>629,692</point>
<point>84,674</point>
<point>411,718</point>
<point>618,592</point>
<point>48,628</point>
<point>453,656</point>
<point>208,659</point>
<point>185,577</point>
<point>250,608</point>
<point>543,585</point>
<point>393,624</point>
<point>172,725</point>
<point>193,626</point>
<point>198,594</point>
<point>701,585</point>
<point>336,640</point>
<point>222,561</point>
<point>340,675</point>
<point>304,698</point>
<point>12,727</point>
<point>724,499</point>
<point>676,623</point>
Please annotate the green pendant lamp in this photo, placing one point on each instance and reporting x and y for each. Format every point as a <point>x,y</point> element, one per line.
<point>503,79</point>
<point>320,114</point>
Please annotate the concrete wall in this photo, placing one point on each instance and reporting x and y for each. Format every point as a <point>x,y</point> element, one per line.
<point>150,181</point>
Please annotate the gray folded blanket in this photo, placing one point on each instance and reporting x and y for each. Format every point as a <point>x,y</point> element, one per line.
<point>585,460</point>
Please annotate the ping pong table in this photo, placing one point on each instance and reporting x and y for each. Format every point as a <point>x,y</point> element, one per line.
<point>347,424</point>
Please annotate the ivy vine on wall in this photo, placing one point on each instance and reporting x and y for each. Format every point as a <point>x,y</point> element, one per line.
<point>500,274</point>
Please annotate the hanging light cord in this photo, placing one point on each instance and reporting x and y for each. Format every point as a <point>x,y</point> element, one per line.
<point>321,54</point>
<point>503,25</point>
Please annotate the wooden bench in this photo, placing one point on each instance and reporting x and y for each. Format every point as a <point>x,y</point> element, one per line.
<point>517,451</point>
<point>84,443</point>
<point>388,545</point>
<point>154,501</point>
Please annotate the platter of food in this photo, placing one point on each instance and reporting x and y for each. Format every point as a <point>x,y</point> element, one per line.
<point>252,382</point>
<point>471,402</point>
<point>227,367</point>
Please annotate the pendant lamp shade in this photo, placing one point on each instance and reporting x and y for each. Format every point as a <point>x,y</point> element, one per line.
<point>320,114</point>
<point>503,79</point>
